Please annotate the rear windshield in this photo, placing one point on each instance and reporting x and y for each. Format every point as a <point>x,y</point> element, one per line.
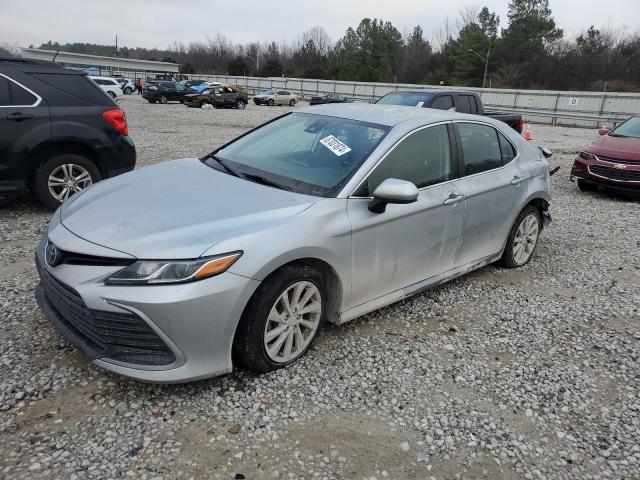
<point>410,99</point>
<point>76,85</point>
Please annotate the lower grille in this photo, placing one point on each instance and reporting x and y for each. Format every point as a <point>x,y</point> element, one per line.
<point>118,336</point>
<point>619,174</point>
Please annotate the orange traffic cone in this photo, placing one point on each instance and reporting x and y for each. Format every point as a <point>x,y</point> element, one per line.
<point>527,132</point>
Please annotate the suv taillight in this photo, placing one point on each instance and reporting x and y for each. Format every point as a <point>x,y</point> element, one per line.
<point>117,119</point>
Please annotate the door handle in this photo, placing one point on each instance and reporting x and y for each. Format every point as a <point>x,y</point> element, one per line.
<point>18,117</point>
<point>453,199</point>
<point>517,180</point>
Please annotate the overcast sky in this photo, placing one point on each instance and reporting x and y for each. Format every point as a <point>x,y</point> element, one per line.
<point>157,23</point>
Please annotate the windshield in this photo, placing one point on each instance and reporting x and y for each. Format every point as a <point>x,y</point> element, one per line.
<point>410,99</point>
<point>629,128</point>
<point>305,153</point>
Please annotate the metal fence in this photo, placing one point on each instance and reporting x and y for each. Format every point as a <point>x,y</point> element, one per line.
<point>583,109</point>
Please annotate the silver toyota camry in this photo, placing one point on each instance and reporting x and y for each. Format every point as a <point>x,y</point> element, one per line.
<point>180,270</point>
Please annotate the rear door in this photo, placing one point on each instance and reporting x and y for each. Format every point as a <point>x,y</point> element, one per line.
<point>24,124</point>
<point>494,187</point>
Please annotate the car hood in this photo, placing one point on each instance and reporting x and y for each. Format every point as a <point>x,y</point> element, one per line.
<point>617,147</point>
<point>176,209</point>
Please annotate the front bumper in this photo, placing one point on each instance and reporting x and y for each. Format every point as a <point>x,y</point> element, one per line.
<point>618,176</point>
<point>195,321</point>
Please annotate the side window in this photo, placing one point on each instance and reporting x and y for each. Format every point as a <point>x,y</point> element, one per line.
<point>13,94</point>
<point>464,104</point>
<point>480,148</point>
<point>423,158</point>
<point>445,102</point>
<point>507,149</point>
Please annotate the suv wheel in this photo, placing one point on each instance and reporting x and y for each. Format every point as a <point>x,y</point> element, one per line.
<point>127,90</point>
<point>270,102</point>
<point>240,105</point>
<point>281,320</point>
<point>292,102</point>
<point>111,94</point>
<point>163,99</point>
<point>63,175</point>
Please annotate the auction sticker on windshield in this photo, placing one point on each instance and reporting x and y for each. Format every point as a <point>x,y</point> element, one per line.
<point>335,145</point>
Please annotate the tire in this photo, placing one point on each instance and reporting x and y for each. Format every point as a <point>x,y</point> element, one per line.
<point>240,104</point>
<point>128,91</point>
<point>512,257</point>
<point>151,101</point>
<point>57,167</point>
<point>270,102</point>
<point>587,186</point>
<point>292,103</point>
<point>249,345</point>
<point>163,99</point>
<point>111,94</point>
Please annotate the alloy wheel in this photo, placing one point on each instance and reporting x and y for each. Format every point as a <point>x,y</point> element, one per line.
<point>525,239</point>
<point>293,322</point>
<point>67,179</point>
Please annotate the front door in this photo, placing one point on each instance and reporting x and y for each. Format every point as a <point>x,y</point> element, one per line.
<point>494,186</point>
<point>407,243</point>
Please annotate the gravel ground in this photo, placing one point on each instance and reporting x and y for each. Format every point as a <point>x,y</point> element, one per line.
<point>529,373</point>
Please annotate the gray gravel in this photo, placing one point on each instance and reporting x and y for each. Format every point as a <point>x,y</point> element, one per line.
<point>529,373</point>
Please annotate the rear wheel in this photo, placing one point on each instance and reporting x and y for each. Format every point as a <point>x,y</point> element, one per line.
<point>587,186</point>
<point>523,238</point>
<point>163,99</point>
<point>111,94</point>
<point>270,102</point>
<point>281,320</point>
<point>62,176</point>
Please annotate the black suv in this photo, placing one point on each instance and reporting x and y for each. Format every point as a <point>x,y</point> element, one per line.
<point>163,92</point>
<point>59,132</point>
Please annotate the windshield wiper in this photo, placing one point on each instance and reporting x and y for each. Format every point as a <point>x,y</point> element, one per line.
<point>224,165</point>
<point>265,181</point>
<point>618,135</point>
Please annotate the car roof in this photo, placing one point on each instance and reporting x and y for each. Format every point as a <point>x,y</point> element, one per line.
<point>37,66</point>
<point>389,115</point>
<point>432,90</point>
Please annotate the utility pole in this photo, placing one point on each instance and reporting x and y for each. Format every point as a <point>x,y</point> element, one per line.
<point>116,46</point>
<point>485,60</point>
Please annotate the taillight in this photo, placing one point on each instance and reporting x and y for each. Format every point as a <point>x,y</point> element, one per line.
<point>117,119</point>
<point>521,125</point>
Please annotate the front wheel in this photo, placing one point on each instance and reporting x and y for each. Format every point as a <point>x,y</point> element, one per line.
<point>281,320</point>
<point>270,102</point>
<point>128,91</point>
<point>523,238</point>
<point>163,99</point>
<point>292,102</point>
<point>62,176</point>
<point>111,94</point>
<point>240,105</point>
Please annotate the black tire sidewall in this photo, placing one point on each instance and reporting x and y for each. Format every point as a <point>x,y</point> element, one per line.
<point>507,259</point>
<point>163,99</point>
<point>248,346</point>
<point>270,102</point>
<point>41,179</point>
<point>292,103</point>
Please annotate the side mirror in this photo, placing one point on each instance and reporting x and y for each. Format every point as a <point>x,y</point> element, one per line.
<point>603,131</point>
<point>392,190</point>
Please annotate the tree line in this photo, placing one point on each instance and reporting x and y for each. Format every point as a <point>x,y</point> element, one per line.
<point>529,51</point>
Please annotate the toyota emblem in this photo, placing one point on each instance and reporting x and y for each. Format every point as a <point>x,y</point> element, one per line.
<point>52,255</point>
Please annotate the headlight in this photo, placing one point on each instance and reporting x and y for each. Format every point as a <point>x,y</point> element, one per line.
<point>146,272</point>
<point>587,156</point>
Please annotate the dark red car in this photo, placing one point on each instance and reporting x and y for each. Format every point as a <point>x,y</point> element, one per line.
<point>612,161</point>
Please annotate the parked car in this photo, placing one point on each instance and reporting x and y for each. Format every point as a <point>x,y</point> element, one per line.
<point>612,161</point>
<point>162,92</point>
<point>240,256</point>
<point>229,96</point>
<point>457,100</point>
<point>275,97</point>
<point>109,85</point>
<point>59,132</point>
<point>328,98</point>
<point>126,85</point>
